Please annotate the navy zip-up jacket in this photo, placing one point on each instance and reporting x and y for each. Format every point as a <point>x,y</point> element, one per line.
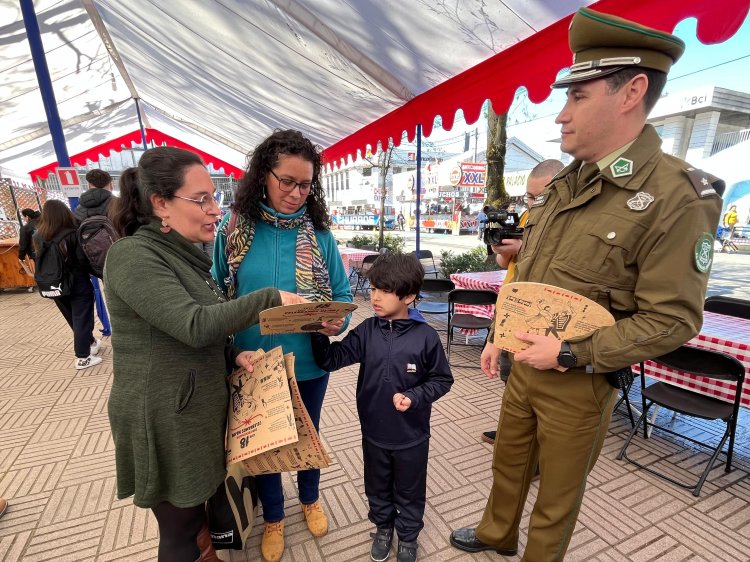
<point>403,356</point>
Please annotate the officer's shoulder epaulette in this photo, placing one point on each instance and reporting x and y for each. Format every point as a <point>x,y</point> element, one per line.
<point>705,184</point>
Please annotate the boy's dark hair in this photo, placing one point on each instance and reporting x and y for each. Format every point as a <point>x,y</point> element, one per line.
<point>98,178</point>
<point>397,273</point>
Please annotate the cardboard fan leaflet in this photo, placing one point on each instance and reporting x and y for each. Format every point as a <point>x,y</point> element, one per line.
<point>307,453</point>
<point>302,318</point>
<point>268,427</point>
<point>544,310</point>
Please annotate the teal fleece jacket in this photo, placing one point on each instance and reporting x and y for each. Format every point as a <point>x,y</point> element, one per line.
<point>271,262</point>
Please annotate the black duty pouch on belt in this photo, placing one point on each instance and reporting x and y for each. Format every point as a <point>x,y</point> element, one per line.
<point>621,378</point>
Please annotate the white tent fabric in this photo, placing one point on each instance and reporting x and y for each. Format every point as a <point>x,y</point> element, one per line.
<point>231,71</point>
<point>222,74</point>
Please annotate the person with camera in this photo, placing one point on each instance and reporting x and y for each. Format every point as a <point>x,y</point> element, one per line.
<point>624,225</point>
<point>505,256</point>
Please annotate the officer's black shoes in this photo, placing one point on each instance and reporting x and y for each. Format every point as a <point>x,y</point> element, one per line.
<point>466,539</point>
<point>489,437</point>
<point>407,551</point>
<point>381,544</point>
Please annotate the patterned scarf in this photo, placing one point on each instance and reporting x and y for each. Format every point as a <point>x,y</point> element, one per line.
<point>313,281</point>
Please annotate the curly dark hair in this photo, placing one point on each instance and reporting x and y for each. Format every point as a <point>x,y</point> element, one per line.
<point>265,158</point>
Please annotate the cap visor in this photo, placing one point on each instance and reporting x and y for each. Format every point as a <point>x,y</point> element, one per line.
<point>585,76</point>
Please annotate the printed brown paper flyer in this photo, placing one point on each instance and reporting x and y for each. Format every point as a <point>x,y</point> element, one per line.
<point>301,318</point>
<point>305,454</point>
<point>260,414</point>
<point>545,310</point>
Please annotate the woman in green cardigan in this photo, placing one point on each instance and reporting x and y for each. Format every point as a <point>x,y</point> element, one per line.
<point>170,326</point>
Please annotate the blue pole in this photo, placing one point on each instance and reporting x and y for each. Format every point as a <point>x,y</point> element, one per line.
<point>419,184</point>
<point>45,87</point>
<point>101,308</point>
<point>140,124</point>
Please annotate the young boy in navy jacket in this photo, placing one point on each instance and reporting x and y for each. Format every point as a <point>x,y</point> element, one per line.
<point>402,371</point>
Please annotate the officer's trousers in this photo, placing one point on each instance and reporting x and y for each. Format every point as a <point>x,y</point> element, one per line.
<point>396,487</point>
<point>560,420</point>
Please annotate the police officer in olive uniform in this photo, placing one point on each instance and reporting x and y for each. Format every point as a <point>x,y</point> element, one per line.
<point>624,225</point>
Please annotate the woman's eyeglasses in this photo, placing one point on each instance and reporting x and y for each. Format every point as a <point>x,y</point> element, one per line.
<point>287,185</point>
<point>206,202</point>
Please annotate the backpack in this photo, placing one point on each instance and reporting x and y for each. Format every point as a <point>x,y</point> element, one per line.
<point>96,235</point>
<point>52,276</point>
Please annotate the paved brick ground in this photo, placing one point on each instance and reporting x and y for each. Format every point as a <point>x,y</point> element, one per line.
<point>57,470</point>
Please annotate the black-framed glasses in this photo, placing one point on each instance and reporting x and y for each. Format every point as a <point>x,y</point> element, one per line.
<point>287,185</point>
<point>206,202</point>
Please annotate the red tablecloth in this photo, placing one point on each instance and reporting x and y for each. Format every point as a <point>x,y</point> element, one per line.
<point>726,334</point>
<point>483,280</point>
<point>353,255</point>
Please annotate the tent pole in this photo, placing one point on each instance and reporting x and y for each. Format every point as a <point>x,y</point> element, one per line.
<point>140,123</point>
<point>419,184</point>
<point>45,87</point>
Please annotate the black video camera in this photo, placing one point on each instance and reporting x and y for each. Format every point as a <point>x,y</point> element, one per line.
<point>499,225</point>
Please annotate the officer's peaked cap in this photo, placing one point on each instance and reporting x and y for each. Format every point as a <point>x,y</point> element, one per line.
<point>603,44</point>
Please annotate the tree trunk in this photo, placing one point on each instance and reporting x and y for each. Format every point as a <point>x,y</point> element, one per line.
<point>384,164</point>
<point>497,136</point>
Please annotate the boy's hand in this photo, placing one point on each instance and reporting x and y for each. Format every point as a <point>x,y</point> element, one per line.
<point>332,328</point>
<point>401,402</point>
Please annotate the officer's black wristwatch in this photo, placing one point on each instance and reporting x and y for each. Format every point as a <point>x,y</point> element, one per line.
<point>566,357</point>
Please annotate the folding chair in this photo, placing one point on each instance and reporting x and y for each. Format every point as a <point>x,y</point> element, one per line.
<point>360,273</point>
<point>728,306</point>
<point>433,296</point>
<point>625,378</point>
<point>427,260</point>
<point>465,320</point>
<point>704,363</point>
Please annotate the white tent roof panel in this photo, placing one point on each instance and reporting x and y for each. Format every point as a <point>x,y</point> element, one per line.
<point>225,73</point>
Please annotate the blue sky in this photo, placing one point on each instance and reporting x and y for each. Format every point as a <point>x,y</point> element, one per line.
<point>702,65</point>
<point>725,64</point>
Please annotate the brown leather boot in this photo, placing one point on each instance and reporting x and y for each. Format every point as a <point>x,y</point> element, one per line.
<point>208,554</point>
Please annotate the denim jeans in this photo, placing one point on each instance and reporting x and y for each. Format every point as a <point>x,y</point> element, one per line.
<point>270,491</point>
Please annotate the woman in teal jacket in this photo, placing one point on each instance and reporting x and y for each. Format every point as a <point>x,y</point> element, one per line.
<point>280,238</point>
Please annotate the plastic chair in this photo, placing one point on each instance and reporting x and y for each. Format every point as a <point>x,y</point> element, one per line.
<point>360,273</point>
<point>427,260</point>
<point>705,363</point>
<point>433,298</point>
<point>464,320</point>
<point>728,306</point>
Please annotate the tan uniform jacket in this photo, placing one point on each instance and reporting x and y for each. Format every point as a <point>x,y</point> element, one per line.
<point>639,264</point>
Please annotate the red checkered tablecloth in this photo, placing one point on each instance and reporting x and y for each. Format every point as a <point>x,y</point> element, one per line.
<point>483,280</point>
<point>349,255</point>
<point>727,334</point>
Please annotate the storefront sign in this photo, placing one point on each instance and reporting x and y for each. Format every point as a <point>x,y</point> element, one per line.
<point>473,174</point>
<point>455,177</point>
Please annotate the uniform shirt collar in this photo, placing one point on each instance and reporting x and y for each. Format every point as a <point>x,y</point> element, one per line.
<point>644,153</point>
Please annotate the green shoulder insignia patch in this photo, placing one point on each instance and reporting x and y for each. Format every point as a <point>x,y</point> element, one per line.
<point>621,167</point>
<point>704,252</point>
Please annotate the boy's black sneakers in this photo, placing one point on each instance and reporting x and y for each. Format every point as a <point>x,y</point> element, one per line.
<point>381,544</point>
<point>407,551</point>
